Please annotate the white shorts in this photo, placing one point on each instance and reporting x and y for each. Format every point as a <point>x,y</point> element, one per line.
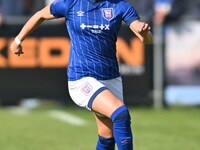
<point>84,91</point>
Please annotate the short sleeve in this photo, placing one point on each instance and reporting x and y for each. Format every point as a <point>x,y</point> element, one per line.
<point>130,14</point>
<point>59,8</point>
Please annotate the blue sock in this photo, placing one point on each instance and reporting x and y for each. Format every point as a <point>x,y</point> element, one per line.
<point>122,129</point>
<point>105,143</point>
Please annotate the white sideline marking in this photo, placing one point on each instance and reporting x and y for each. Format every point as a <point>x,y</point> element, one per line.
<point>67,117</point>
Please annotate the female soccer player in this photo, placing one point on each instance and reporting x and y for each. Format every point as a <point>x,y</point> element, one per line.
<point>94,81</point>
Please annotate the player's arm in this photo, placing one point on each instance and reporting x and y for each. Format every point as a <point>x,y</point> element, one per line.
<point>30,25</point>
<point>142,31</point>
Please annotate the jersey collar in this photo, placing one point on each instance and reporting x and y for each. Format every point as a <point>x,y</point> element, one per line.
<point>94,1</point>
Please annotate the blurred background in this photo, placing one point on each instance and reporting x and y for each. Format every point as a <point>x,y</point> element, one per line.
<point>163,75</point>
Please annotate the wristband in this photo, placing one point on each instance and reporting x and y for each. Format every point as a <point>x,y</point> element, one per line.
<point>17,40</point>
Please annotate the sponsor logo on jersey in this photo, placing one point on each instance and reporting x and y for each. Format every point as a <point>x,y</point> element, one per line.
<point>107,13</point>
<point>95,28</point>
<point>101,27</point>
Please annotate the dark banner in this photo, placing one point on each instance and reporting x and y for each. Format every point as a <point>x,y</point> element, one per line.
<point>41,71</point>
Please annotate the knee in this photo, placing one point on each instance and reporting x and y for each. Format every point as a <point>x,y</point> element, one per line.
<point>121,115</point>
<point>122,128</point>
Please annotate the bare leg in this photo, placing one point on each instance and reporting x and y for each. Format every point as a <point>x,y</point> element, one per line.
<point>106,103</point>
<point>104,126</point>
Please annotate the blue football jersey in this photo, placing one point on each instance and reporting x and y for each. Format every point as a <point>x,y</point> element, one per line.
<point>93,30</point>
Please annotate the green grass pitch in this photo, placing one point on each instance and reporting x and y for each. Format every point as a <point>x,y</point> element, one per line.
<point>163,129</point>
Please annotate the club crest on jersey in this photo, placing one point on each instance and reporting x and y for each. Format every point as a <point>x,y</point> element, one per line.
<point>107,13</point>
<point>87,89</point>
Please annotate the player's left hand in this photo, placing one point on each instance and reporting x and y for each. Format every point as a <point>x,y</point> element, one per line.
<point>143,27</point>
<point>16,49</point>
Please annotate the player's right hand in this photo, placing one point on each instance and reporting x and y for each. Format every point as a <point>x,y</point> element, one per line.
<point>16,49</point>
